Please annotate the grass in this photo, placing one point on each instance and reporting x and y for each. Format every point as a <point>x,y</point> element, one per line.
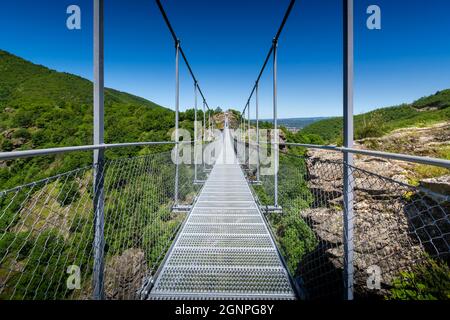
<point>423,171</point>
<point>382,121</point>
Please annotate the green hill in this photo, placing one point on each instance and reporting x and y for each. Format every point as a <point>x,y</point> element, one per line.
<point>43,108</point>
<point>423,112</point>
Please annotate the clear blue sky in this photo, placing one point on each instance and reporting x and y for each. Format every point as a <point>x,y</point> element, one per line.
<point>227,40</point>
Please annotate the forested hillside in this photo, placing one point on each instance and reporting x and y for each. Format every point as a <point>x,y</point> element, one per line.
<point>43,108</point>
<point>423,112</point>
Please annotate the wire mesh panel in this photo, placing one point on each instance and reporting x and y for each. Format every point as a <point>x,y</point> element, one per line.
<point>396,226</point>
<point>47,229</point>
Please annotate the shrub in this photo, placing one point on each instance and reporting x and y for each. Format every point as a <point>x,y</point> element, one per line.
<point>371,126</point>
<point>7,145</point>
<point>295,237</point>
<point>68,193</point>
<point>427,281</point>
<point>22,133</point>
<point>39,138</point>
<point>23,118</point>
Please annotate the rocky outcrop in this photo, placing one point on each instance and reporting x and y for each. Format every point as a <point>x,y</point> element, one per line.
<point>439,185</point>
<point>124,275</point>
<point>390,218</point>
<point>426,141</point>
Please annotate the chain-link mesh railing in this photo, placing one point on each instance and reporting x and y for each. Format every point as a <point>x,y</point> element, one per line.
<point>47,229</point>
<point>396,226</point>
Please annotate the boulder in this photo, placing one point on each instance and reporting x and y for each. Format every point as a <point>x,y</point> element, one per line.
<point>439,185</point>
<point>124,275</point>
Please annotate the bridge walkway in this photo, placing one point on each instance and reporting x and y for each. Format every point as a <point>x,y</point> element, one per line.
<point>224,250</point>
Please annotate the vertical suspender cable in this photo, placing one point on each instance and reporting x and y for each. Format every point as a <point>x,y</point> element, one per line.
<point>275,123</point>
<point>204,135</point>
<point>257,132</point>
<point>195,132</point>
<point>177,108</point>
<point>248,133</point>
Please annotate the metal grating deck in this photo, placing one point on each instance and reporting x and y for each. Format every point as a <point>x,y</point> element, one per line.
<point>224,250</point>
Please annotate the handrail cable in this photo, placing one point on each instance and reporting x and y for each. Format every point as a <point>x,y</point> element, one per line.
<point>176,39</point>
<point>275,40</point>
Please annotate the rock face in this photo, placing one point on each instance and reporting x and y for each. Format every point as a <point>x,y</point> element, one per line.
<point>390,219</point>
<point>419,141</point>
<point>124,275</point>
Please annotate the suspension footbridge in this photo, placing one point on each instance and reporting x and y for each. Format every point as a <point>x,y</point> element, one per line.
<point>148,226</point>
<point>225,248</point>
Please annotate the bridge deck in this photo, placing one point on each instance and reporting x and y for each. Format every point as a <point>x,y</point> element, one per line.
<point>224,250</point>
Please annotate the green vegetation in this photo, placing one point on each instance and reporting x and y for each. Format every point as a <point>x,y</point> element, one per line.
<point>423,112</point>
<point>427,281</point>
<point>42,108</point>
<point>423,171</point>
<point>68,193</point>
<point>58,232</point>
<point>295,238</point>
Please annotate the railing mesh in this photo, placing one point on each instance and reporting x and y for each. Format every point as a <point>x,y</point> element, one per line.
<point>48,226</point>
<point>395,225</point>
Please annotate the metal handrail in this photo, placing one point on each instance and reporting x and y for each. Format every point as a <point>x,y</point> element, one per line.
<point>11,155</point>
<point>388,155</point>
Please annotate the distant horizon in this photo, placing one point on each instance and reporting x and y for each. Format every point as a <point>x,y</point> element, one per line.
<point>226,43</point>
<point>303,118</point>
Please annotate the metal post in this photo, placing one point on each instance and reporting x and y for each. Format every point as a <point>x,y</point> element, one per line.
<point>99,218</point>
<point>240,127</point>
<point>244,140</point>
<point>177,107</point>
<point>195,132</point>
<point>204,135</point>
<point>275,122</point>
<point>243,129</point>
<point>209,125</point>
<point>348,143</point>
<point>257,131</point>
<point>248,133</point>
